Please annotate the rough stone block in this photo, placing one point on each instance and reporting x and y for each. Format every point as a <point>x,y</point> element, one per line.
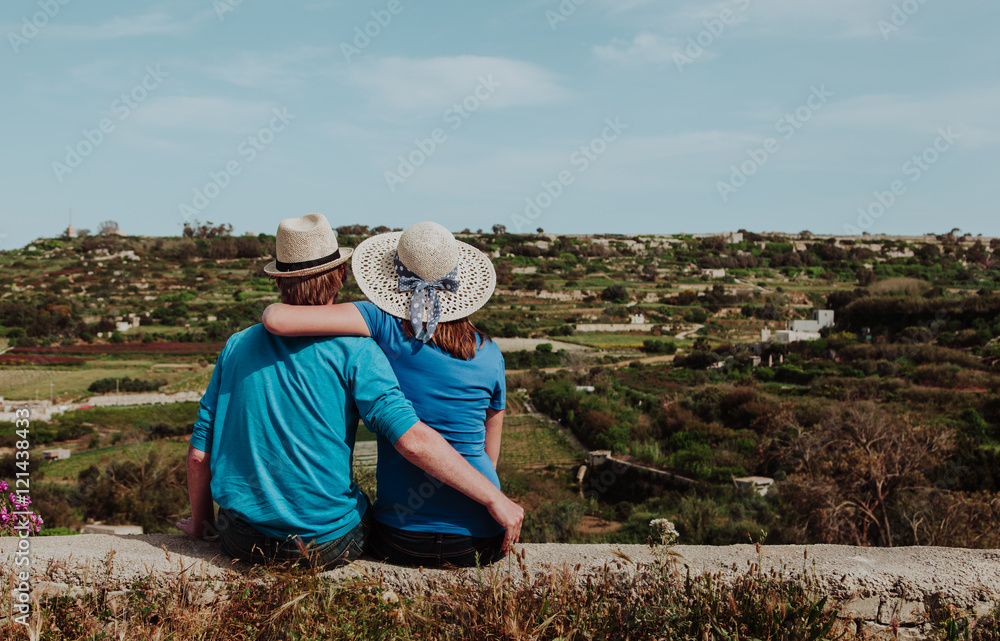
<point>901,611</point>
<point>863,608</point>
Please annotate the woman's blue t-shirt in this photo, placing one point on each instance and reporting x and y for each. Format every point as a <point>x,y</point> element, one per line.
<point>450,395</point>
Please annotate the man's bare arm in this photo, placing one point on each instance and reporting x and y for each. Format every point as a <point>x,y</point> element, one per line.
<point>199,473</point>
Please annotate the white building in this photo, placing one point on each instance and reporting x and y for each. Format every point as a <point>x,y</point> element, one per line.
<point>800,330</point>
<point>637,319</point>
<point>758,484</point>
<point>822,318</point>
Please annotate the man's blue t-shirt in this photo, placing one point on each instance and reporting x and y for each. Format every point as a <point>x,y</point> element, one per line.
<point>450,395</point>
<point>279,420</point>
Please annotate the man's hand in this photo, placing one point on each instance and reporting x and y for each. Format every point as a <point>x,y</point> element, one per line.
<point>510,515</point>
<point>188,526</point>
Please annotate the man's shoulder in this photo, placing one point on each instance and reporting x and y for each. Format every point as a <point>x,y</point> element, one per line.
<point>257,340</point>
<point>254,332</point>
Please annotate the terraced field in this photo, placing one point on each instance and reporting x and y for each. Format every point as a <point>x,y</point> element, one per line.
<point>531,443</point>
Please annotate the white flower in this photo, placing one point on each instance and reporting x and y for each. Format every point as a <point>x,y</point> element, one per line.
<point>666,530</point>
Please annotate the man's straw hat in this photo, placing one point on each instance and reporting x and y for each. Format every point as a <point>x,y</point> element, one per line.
<point>431,252</point>
<point>305,246</point>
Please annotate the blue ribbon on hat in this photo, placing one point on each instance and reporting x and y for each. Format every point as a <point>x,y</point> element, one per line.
<point>425,296</point>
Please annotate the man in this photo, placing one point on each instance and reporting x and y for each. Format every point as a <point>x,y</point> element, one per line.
<point>275,431</point>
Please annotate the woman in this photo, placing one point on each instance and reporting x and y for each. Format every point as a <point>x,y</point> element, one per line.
<point>422,285</point>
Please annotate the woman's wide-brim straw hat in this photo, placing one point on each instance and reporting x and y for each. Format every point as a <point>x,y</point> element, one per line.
<point>432,252</point>
<point>305,246</point>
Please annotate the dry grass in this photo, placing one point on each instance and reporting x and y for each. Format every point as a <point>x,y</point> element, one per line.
<point>505,601</point>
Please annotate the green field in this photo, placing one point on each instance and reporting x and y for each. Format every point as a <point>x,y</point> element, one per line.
<point>69,469</point>
<point>608,340</point>
<point>531,443</point>
<point>29,383</point>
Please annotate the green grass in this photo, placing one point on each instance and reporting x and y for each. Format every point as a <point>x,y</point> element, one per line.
<point>28,383</point>
<point>134,416</point>
<point>69,469</point>
<point>531,443</point>
<point>609,340</point>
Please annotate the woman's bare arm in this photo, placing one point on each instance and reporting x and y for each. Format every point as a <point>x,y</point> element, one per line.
<point>494,428</point>
<point>343,319</point>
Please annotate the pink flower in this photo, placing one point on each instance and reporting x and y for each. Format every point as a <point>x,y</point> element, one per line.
<point>21,501</point>
<point>3,486</point>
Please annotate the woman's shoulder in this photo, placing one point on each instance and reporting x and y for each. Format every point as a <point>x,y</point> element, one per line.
<point>380,322</point>
<point>488,349</point>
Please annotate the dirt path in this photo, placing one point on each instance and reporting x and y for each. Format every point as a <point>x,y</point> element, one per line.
<point>645,360</point>
<point>689,332</point>
<point>529,344</point>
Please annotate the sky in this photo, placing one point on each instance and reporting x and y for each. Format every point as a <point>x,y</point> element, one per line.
<point>575,116</point>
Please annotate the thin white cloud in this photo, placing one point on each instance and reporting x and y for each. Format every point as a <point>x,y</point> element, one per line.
<point>844,19</point>
<point>272,70</point>
<point>644,47</point>
<point>203,113</point>
<point>431,85</point>
<point>972,113</point>
<point>149,24</point>
<point>684,145</point>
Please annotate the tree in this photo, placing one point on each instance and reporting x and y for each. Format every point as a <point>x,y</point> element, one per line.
<point>499,229</point>
<point>615,294</point>
<point>107,228</point>
<point>865,277</point>
<point>851,475</point>
<point>540,230</point>
<point>206,230</point>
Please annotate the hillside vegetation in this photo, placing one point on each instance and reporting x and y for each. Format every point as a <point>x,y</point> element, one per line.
<point>885,430</point>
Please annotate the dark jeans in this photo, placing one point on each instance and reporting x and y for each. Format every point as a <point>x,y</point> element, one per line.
<point>433,549</point>
<point>242,541</point>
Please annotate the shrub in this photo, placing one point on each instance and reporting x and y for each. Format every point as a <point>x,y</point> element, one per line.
<point>126,384</point>
<point>653,346</point>
<point>552,522</point>
<point>615,294</point>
